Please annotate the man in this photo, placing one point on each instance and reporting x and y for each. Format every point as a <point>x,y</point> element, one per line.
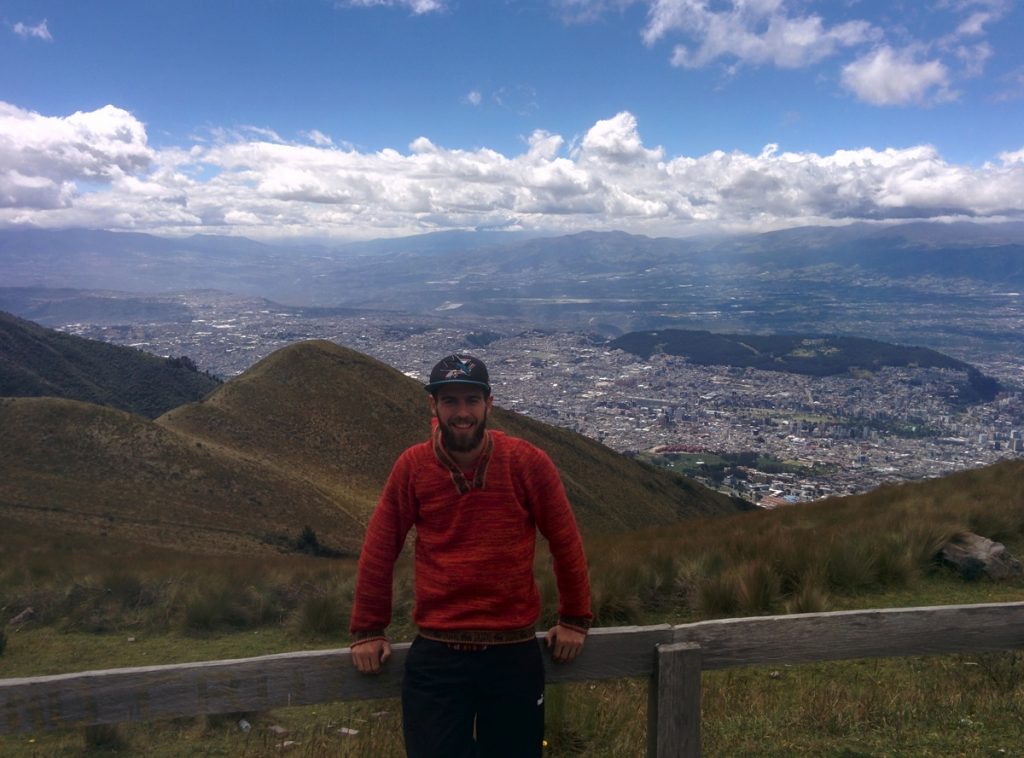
<point>477,498</point>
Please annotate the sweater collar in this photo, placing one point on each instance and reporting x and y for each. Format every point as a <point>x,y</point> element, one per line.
<point>462,484</point>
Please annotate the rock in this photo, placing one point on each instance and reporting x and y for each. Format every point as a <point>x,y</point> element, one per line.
<point>974,556</point>
<point>244,725</point>
<point>277,731</point>
<point>26,615</point>
<point>346,732</point>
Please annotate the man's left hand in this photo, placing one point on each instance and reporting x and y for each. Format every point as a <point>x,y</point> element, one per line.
<point>564,643</point>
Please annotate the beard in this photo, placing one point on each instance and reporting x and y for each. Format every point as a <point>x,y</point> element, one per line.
<point>462,441</point>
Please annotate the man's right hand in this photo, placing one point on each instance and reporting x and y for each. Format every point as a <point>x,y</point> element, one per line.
<point>369,656</point>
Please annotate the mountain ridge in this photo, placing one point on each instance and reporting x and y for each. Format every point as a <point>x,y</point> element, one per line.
<point>36,361</point>
<point>305,438</point>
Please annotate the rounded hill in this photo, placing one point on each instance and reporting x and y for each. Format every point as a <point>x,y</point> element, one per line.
<point>341,418</point>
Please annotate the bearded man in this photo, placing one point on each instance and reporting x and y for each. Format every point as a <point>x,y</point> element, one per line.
<point>474,676</point>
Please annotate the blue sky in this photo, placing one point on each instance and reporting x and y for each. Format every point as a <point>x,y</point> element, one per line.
<point>320,119</point>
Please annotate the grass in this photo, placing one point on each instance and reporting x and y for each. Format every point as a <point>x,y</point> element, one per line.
<point>97,609</point>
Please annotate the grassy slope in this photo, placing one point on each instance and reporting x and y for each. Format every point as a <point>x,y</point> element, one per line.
<point>304,438</point>
<point>341,418</point>
<point>947,705</point>
<point>85,468</point>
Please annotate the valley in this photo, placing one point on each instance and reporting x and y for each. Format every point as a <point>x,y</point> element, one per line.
<point>840,434</point>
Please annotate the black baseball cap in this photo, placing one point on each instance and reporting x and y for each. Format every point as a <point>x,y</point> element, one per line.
<point>459,368</point>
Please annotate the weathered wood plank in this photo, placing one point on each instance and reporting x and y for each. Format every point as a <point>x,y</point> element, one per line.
<point>890,632</point>
<point>613,652</point>
<point>265,682</point>
<point>160,692</point>
<point>304,678</point>
<point>673,703</point>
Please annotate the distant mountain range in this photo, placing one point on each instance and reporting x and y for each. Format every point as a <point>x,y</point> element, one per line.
<point>304,438</point>
<point>810,355</point>
<point>36,362</point>
<point>951,287</point>
<point>423,272</point>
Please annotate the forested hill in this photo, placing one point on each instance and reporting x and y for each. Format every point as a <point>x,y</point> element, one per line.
<point>799,354</point>
<point>40,362</point>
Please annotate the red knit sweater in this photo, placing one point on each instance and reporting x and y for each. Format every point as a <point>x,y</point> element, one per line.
<point>475,540</point>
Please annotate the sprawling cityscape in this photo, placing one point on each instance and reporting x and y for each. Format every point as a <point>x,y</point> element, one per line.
<point>811,436</point>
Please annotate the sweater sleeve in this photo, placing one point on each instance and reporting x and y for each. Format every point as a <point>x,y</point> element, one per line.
<point>385,535</point>
<point>554,517</point>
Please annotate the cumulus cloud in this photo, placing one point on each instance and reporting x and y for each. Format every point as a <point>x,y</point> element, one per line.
<point>1016,156</point>
<point>96,169</point>
<point>474,97</point>
<point>39,31</point>
<point>890,77</point>
<point>42,157</point>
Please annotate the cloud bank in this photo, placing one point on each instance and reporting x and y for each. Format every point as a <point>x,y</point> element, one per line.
<point>97,170</point>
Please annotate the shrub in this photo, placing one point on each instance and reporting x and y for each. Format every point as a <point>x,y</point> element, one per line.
<point>718,595</point>
<point>757,587</point>
<point>895,564</point>
<point>3,641</point>
<point>127,590</point>
<point>851,564</point>
<point>324,615</point>
<point>229,606</point>
<point>810,597</point>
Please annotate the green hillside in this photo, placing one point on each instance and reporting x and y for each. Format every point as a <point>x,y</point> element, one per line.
<point>40,362</point>
<point>304,438</point>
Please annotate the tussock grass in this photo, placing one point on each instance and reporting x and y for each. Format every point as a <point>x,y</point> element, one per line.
<point>803,558</point>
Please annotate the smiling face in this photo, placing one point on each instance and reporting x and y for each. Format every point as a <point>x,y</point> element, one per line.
<point>461,411</point>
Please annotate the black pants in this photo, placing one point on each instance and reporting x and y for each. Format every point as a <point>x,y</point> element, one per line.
<point>444,691</point>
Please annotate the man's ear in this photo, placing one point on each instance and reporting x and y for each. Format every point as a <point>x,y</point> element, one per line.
<point>433,405</point>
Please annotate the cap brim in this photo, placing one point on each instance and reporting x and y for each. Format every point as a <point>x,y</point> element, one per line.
<point>435,385</point>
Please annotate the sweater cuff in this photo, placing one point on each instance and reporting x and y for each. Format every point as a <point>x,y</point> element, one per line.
<point>360,638</point>
<point>577,623</point>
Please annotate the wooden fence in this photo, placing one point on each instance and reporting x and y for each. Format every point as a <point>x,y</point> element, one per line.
<point>671,657</point>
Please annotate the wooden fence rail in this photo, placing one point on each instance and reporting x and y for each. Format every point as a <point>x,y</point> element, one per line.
<point>671,657</point>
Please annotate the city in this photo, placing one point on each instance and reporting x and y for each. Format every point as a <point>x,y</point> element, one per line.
<point>831,435</point>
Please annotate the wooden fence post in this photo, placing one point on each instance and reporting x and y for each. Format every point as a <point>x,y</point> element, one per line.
<point>673,705</point>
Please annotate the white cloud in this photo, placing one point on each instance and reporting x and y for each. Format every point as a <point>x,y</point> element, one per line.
<point>96,169</point>
<point>42,157</point>
<point>418,7</point>
<point>474,97</point>
<point>39,31</point>
<point>889,77</point>
<point>317,137</point>
<point>750,31</point>
<point>788,34</point>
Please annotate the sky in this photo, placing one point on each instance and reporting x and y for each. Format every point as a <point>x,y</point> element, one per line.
<point>356,119</point>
